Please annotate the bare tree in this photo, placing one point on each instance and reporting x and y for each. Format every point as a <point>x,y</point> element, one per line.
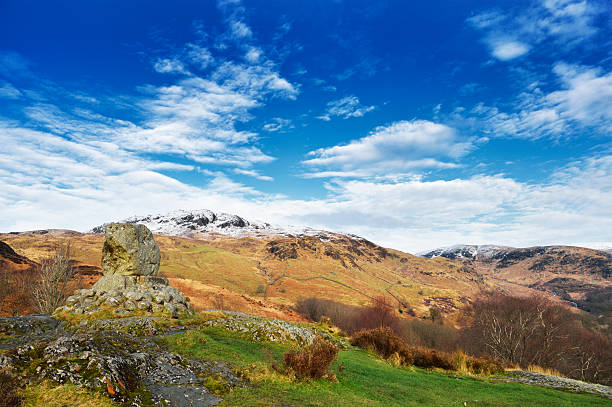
<point>51,289</point>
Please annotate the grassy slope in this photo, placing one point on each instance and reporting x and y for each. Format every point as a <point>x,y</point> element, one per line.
<point>364,380</point>
<point>243,265</point>
<point>346,270</point>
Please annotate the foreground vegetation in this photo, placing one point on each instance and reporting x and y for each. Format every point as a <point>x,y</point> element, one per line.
<point>358,377</point>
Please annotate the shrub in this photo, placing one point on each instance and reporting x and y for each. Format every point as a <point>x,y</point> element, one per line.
<point>9,388</point>
<point>428,358</point>
<point>469,364</point>
<point>390,346</point>
<point>313,361</point>
<point>381,340</point>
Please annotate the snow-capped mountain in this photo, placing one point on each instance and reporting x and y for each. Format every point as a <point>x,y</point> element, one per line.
<point>206,222</point>
<point>466,251</point>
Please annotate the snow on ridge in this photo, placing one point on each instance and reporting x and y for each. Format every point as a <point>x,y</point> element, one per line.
<point>465,251</point>
<point>204,221</point>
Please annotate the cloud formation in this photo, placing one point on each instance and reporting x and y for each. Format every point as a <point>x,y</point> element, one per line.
<point>401,146</point>
<point>345,108</point>
<point>512,34</point>
<point>584,101</point>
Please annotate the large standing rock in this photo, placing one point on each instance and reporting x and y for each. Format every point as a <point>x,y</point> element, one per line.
<point>130,263</point>
<point>129,250</point>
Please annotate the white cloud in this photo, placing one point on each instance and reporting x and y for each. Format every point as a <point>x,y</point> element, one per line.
<point>253,55</point>
<point>65,184</point>
<point>239,29</point>
<point>584,101</point>
<point>400,146</point>
<point>507,50</point>
<point>345,108</point>
<point>166,65</point>
<point>254,174</point>
<point>198,55</point>
<point>8,91</point>
<point>278,124</point>
<point>565,23</point>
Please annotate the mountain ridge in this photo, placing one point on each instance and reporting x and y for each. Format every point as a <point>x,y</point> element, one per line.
<point>205,222</point>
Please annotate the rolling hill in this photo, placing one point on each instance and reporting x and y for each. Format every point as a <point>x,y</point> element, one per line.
<point>259,268</point>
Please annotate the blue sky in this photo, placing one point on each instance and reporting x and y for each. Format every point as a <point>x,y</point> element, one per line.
<point>414,124</point>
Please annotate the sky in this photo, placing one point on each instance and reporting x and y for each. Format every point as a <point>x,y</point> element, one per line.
<point>413,124</point>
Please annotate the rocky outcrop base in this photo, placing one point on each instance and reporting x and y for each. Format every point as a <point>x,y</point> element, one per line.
<point>127,368</point>
<point>127,294</point>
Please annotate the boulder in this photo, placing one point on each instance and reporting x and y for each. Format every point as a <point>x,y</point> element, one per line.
<point>129,250</point>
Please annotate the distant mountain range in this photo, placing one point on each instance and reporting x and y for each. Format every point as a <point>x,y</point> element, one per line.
<point>205,222</point>
<point>296,262</point>
<point>576,274</point>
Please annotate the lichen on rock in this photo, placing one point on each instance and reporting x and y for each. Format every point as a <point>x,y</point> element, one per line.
<point>129,250</point>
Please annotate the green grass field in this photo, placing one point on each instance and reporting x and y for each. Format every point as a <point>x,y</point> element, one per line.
<point>362,380</point>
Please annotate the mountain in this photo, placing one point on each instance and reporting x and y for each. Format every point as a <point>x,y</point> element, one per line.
<point>576,274</point>
<point>465,251</point>
<point>258,267</point>
<point>203,223</point>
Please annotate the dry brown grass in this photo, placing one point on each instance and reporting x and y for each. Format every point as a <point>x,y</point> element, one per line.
<point>390,346</point>
<point>9,390</point>
<point>544,370</point>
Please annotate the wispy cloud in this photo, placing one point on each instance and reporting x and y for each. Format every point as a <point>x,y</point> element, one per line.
<point>278,124</point>
<point>583,101</point>
<point>347,107</point>
<point>401,146</point>
<point>8,91</point>
<point>254,174</point>
<point>512,34</point>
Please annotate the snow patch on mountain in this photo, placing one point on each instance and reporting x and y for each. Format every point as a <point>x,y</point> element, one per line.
<point>466,251</point>
<point>205,222</point>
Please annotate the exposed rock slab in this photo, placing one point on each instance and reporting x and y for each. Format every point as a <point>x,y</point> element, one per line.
<point>560,383</point>
<point>128,368</point>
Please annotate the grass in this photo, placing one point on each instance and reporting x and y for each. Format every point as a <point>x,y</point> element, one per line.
<point>49,395</point>
<point>544,370</point>
<point>362,379</point>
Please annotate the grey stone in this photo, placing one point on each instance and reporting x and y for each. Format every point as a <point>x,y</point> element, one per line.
<point>144,305</point>
<point>157,308</point>
<point>72,300</point>
<point>114,282</point>
<point>133,295</point>
<point>170,308</point>
<point>112,301</point>
<point>129,250</point>
<point>129,305</point>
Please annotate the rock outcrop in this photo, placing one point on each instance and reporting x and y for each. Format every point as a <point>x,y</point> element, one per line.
<point>146,294</point>
<point>129,250</point>
<point>127,367</point>
<point>130,263</point>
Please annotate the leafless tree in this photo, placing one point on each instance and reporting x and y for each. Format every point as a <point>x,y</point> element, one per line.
<point>534,331</point>
<point>51,288</point>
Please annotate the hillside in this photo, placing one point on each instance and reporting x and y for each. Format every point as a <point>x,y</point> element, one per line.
<point>259,268</point>
<point>217,358</point>
<point>579,275</point>
<point>268,275</point>
<point>283,269</point>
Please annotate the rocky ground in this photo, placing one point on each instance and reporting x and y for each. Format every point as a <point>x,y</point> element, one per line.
<point>120,357</point>
<point>126,367</point>
<point>561,383</point>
